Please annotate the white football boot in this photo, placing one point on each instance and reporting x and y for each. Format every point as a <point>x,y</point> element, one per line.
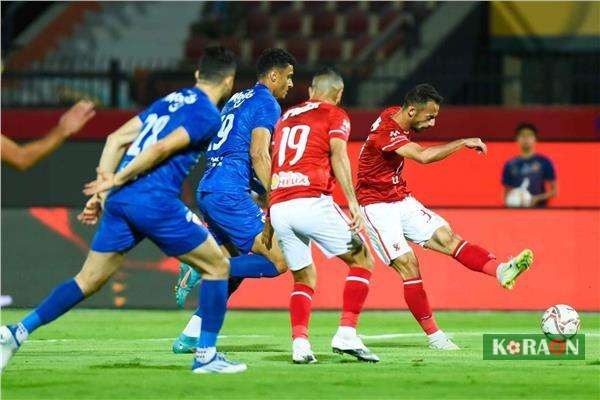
<point>301,352</point>
<point>509,271</point>
<point>347,341</point>
<point>440,341</point>
<point>9,346</point>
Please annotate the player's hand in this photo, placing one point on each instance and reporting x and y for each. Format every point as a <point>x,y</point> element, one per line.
<point>267,234</point>
<point>76,117</point>
<point>477,144</point>
<point>103,183</point>
<point>92,210</point>
<point>358,221</point>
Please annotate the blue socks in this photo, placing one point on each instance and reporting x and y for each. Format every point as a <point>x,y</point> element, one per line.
<point>213,303</point>
<point>62,299</point>
<point>252,266</point>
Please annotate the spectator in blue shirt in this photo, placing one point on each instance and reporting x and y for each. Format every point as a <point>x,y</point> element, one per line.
<point>529,170</point>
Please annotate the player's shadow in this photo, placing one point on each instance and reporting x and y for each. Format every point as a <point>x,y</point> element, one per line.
<point>389,344</point>
<point>250,348</point>
<point>322,358</point>
<point>137,365</point>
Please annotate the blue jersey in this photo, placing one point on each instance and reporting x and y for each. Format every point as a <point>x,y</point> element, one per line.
<point>538,169</point>
<point>188,108</point>
<point>228,163</point>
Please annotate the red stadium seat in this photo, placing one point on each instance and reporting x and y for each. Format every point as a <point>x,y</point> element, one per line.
<point>289,23</point>
<point>324,22</point>
<point>330,49</point>
<point>357,23</point>
<point>258,23</point>
<point>261,44</point>
<point>299,47</point>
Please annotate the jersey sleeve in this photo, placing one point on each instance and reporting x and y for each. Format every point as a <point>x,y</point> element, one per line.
<point>201,129</point>
<point>266,116</point>
<point>549,172</point>
<point>389,140</point>
<point>506,180</point>
<point>339,124</point>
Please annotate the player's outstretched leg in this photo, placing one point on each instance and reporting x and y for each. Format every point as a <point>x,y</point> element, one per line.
<point>267,263</point>
<point>416,299</point>
<point>356,289</point>
<point>478,259</point>
<point>214,267</point>
<point>300,309</point>
<point>97,269</point>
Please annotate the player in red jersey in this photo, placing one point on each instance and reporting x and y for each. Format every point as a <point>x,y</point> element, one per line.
<point>309,153</point>
<point>393,215</point>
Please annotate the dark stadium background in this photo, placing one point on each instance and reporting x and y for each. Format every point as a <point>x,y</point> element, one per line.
<point>496,63</point>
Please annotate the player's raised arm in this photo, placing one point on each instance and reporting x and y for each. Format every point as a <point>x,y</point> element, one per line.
<point>147,159</point>
<point>426,155</point>
<point>23,157</point>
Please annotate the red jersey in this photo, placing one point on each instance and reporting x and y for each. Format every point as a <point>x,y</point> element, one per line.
<point>379,167</point>
<point>301,165</point>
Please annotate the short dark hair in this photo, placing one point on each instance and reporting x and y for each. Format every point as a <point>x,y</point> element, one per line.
<point>273,58</point>
<point>216,64</point>
<point>421,94</point>
<point>526,125</point>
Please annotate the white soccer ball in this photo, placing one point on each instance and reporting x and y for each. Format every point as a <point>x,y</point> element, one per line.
<point>560,322</point>
<point>518,198</point>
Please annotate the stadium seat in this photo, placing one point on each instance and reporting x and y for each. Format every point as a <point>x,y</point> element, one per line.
<point>323,22</point>
<point>289,23</point>
<point>258,23</point>
<point>299,47</point>
<point>330,49</point>
<point>356,23</point>
<point>260,44</point>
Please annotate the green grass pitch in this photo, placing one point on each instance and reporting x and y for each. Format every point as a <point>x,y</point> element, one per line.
<point>102,354</point>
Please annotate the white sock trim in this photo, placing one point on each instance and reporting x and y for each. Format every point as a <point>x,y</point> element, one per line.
<point>301,294</point>
<point>413,282</point>
<point>193,326</point>
<point>358,279</point>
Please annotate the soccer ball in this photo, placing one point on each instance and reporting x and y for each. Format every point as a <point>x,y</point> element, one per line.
<point>518,198</point>
<point>560,322</point>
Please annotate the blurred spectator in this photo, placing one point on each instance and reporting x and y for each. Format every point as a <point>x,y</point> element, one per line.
<point>529,179</point>
<point>23,157</point>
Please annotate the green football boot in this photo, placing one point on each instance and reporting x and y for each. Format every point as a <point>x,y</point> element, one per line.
<point>187,281</point>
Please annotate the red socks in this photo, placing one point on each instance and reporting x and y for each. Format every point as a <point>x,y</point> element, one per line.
<point>417,302</point>
<point>476,258</point>
<point>300,306</point>
<point>355,294</point>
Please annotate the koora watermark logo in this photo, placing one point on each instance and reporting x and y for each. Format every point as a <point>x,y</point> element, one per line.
<point>532,347</point>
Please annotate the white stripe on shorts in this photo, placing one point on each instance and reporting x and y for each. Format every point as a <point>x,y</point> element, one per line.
<point>460,248</point>
<point>358,279</point>
<point>413,282</point>
<point>301,294</point>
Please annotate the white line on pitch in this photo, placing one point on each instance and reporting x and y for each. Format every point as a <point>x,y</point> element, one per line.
<point>139,340</point>
<point>400,335</point>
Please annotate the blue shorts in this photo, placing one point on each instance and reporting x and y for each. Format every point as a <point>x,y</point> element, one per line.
<point>232,218</point>
<point>168,223</point>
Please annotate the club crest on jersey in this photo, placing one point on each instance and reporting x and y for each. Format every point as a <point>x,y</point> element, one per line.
<point>288,179</point>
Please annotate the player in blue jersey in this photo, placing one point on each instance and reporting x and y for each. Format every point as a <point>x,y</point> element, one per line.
<point>152,154</point>
<point>238,160</point>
